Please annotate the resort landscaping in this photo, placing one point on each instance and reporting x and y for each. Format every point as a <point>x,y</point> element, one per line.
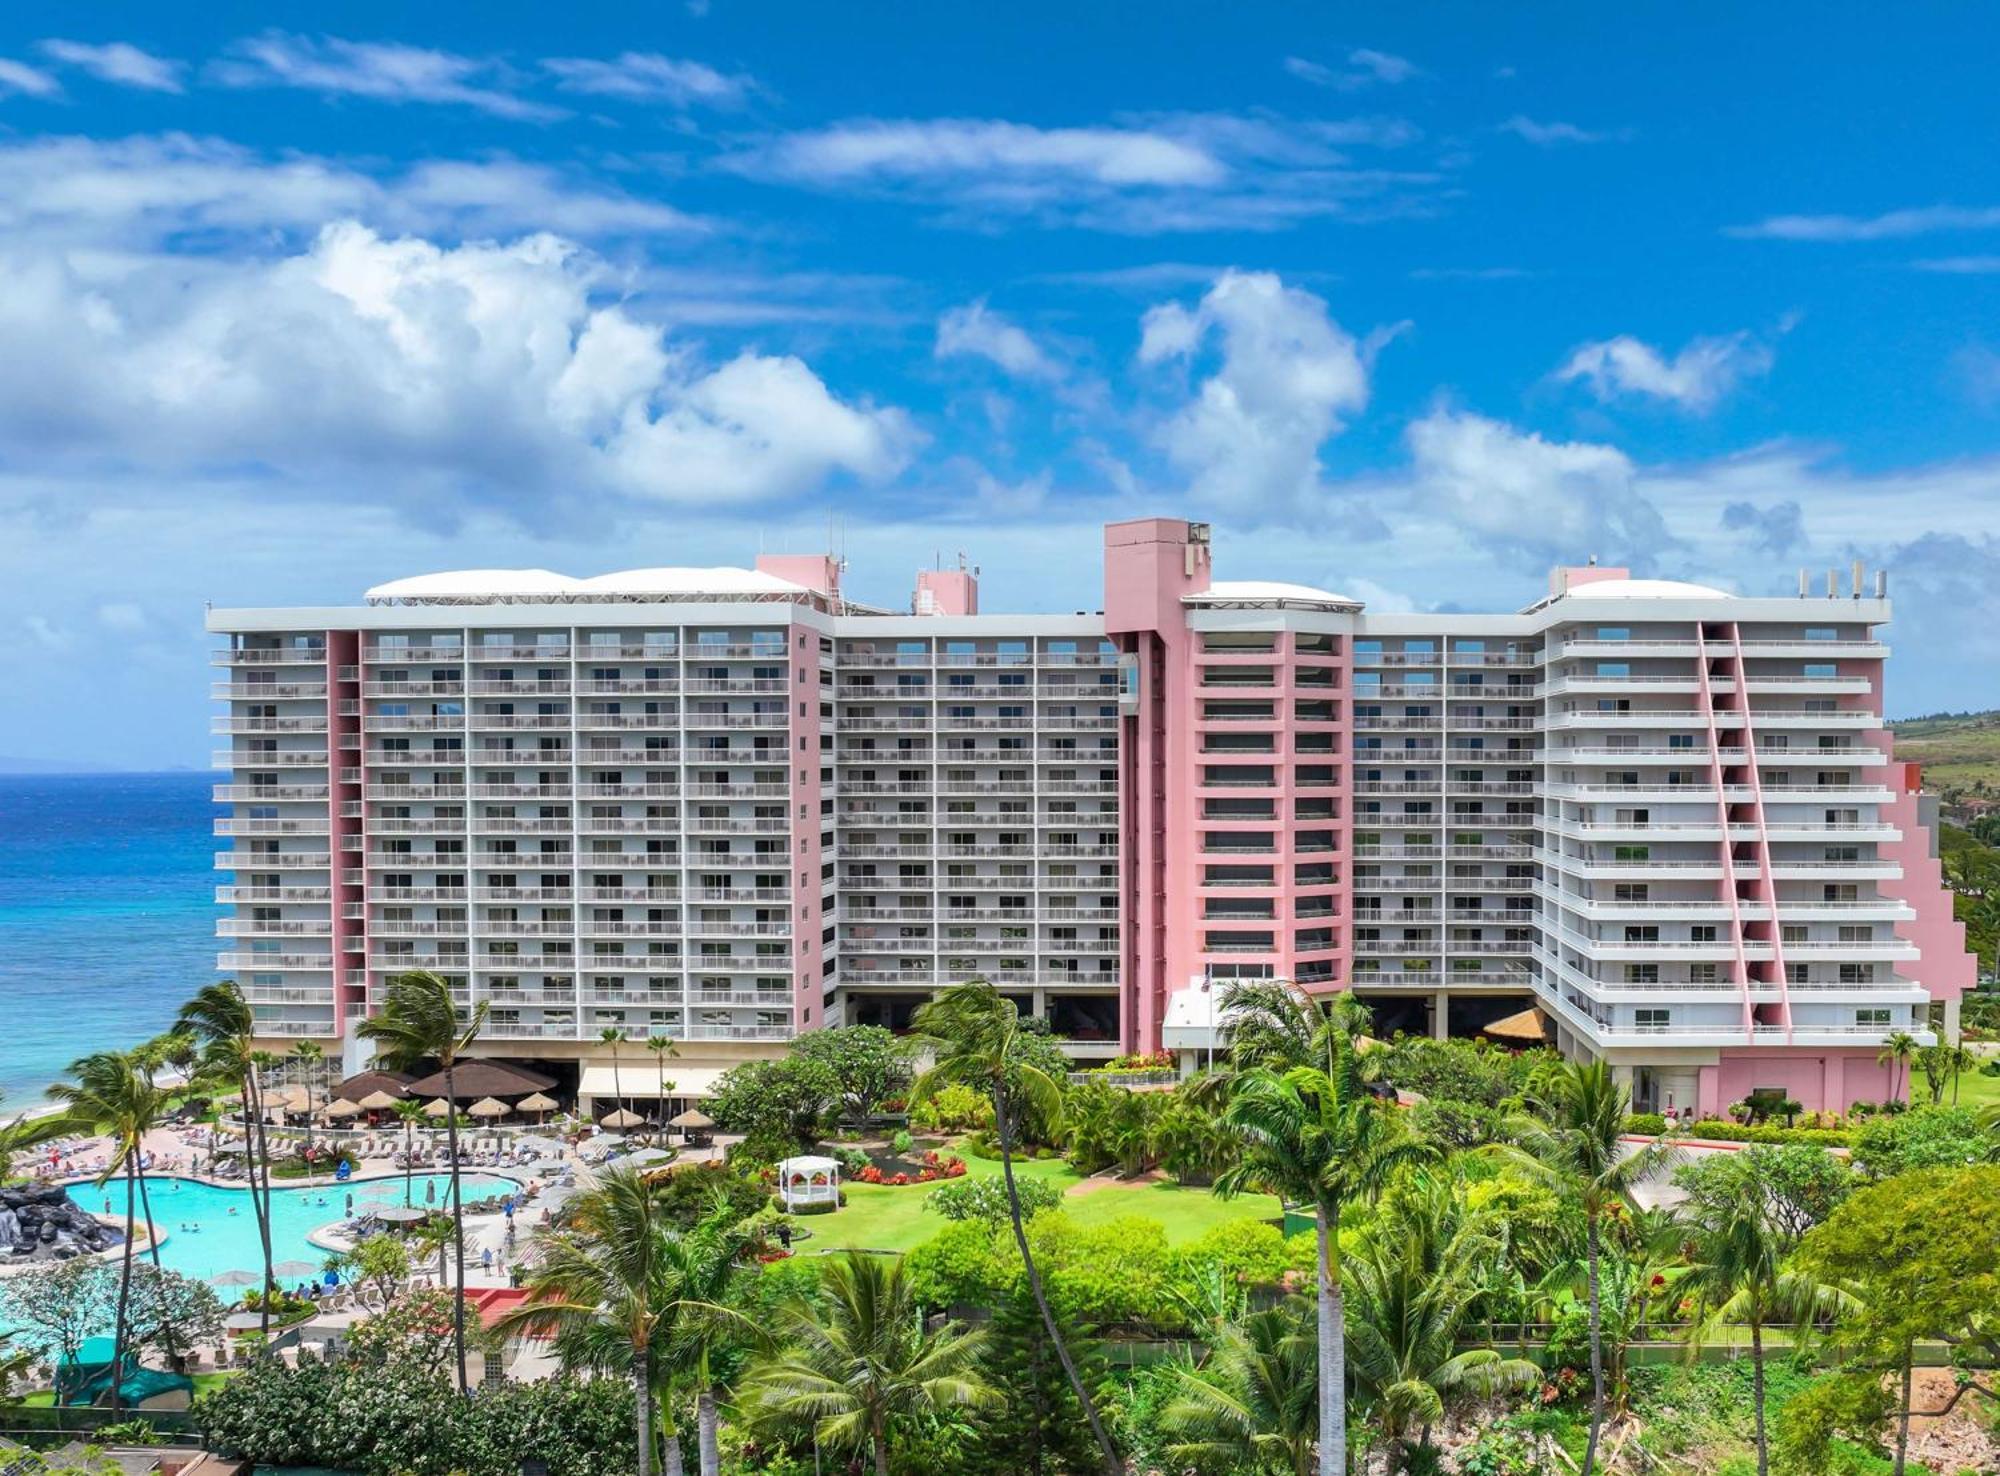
<point>1328,1254</point>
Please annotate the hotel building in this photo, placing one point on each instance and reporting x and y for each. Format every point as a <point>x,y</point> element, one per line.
<point>726,806</point>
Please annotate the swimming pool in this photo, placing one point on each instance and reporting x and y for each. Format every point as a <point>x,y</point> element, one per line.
<point>227,1237</point>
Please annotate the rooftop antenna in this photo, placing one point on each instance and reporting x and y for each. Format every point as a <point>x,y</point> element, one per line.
<point>1857,579</point>
<point>1832,583</point>
<point>1805,582</point>
<point>1881,584</point>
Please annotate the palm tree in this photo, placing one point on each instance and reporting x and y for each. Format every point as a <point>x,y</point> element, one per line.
<point>975,1033</point>
<point>409,1112</point>
<point>1314,1136</point>
<point>25,1132</point>
<point>1413,1285</point>
<point>222,1021</point>
<point>310,1054</point>
<point>614,1037</point>
<point>603,1285</point>
<point>1253,1406</point>
<point>419,1022</point>
<point>1573,1135</point>
<point>1897,1052</point>
<point>701,1264</point>
<point>866,1361</point>
<point>114,1094</point>
<point>1738,1277</point>
<point>662,1047</point>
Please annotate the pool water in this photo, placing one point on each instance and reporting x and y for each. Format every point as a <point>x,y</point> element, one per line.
<point>227,1237</point>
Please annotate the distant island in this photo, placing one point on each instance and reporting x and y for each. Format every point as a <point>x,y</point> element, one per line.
<point>16,765</point>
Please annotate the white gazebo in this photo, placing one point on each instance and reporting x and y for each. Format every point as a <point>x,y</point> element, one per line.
<point>809,1182</point>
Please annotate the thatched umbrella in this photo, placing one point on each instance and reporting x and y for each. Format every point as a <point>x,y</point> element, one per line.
<point>343,1108</point>
<point>488,1107</point>
<point>1530,1027</point>
<point>694,1117</point>
<point>622,1118</point>
<point>379,1101</point>
<point>437,1107</point>
<point>537,1103</point>
<point>291,1099</point>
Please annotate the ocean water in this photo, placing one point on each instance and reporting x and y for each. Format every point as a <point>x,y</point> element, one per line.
<point>107,915</point>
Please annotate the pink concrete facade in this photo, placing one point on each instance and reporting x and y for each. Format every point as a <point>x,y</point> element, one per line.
<point>1149,565</point>
<point>946,592</point>
<point>1946,969</point>
<point>1829,1081</point>
<point>347,775</point>
<point>1237,826</point>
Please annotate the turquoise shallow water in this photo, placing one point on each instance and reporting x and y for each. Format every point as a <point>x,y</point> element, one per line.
<point>107,915</point>
<point>228,1242</point>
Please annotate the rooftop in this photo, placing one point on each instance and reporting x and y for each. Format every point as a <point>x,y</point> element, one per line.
<point>544,586</point>
<point>1227,594</point>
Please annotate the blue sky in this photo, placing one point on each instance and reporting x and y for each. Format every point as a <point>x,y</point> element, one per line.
<point>1409,301</point>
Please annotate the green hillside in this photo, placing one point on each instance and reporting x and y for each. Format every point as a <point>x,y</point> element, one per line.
<point>1960,752</point>
<point>1972,868</point>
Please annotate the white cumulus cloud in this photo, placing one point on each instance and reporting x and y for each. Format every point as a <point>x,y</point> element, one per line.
<point>18,76</point>
<point>647,76</point>
<point>118,62</point>
<point>1551,133</point>
<point>975,330</point>
<point>1513,491</point>
<point>491,372</point>
<point>1287,375</point>
<point>1889,226</point>
<point>1697,378</point>
<point>382,71</point>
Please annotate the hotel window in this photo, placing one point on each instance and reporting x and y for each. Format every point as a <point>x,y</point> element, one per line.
<point>1652,1019</point>
<point>1873,1018</point>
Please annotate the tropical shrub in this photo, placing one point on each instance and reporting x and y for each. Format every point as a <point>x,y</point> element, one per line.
<point>1715,1130</point>
<point>687,1194</point>
<point>985,1199</point>
<point>955,1109</point>
<point>1452,1124</point>
<point>782,1107</point>
<point>362,1416</point>
<point>1929,1137</point>
<point>1474,1071</point>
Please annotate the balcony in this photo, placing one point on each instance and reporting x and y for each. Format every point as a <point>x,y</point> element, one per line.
<point>267,725</point>
<point>272,656</point>
<point>243,758</point>
<point>265,962</point>
<point>273,860</point>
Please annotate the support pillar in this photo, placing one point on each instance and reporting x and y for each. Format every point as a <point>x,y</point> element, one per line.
<point>1440,1016</point>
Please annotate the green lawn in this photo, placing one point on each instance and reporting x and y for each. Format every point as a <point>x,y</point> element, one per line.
<point>1974,1090</point>
<point>877,1217</point>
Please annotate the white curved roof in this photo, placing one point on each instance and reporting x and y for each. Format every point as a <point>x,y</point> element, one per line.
<point>1644,589</point>
<point>464,584</point>
<point>723,580</point>
<point>522,586</point>
<point>1268,591</point>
